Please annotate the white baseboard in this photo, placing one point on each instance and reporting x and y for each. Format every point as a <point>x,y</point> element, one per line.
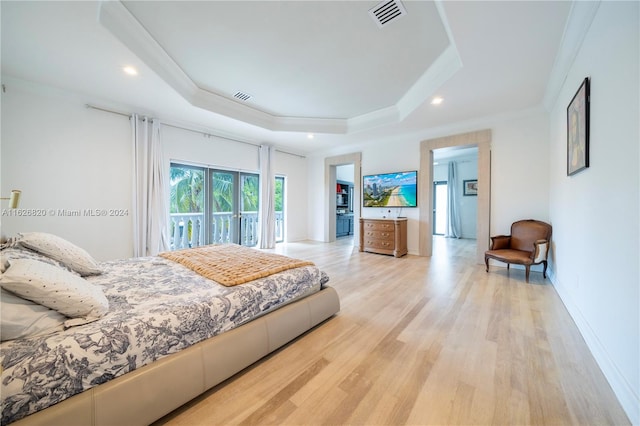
<point>628,398</point>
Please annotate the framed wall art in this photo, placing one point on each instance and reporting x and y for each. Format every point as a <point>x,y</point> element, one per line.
<point>470,187</point>
<point>578,130</point>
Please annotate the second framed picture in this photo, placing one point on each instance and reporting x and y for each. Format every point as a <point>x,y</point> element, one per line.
<point>470,187</point>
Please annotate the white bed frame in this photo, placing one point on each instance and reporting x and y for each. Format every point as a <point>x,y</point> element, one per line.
<point>150,392</point>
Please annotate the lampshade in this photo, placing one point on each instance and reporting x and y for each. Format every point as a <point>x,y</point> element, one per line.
<point>14,199</point>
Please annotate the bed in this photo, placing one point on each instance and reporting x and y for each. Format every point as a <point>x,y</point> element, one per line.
<point>167,335</point>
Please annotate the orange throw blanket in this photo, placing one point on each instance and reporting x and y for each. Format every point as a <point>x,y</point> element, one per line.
<point>232,264</point>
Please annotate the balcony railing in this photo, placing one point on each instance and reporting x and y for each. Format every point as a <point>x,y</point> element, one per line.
<point>187,229</point>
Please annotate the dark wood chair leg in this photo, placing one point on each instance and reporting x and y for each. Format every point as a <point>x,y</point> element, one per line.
<point>526,273</point>
<point>544,268</point>
<point>486,261</point>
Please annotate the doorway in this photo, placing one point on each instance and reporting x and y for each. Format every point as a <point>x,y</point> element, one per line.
<point>330,183</point>
<point>480,139</point>
<point>440,198</point>
<point>344,201</point>
<point>234,206</point>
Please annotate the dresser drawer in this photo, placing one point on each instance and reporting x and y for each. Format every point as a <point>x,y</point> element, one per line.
<point>378,226</point>
<point>370,243</point>
<point>380,235</point>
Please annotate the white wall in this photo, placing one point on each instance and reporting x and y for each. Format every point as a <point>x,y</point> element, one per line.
<point>295,171</point>
<point>194,147</point>
<point>64,156</point>
<point>383,157</point>
<point>595,213</point>
<point>316,207</point>
<point>519,175</point>
<point>519,172</point>
<point>345,173</point>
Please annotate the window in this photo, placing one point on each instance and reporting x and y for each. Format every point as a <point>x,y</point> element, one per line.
<point>440,197</point>
<point>186,205</point>
<point>279,207</point>
<point>210,206</point>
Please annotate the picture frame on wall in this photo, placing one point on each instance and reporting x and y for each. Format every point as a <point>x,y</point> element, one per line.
<point>578,130</point>
<point>470,187</point>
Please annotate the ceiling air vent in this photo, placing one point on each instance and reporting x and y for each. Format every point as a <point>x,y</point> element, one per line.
<point>242,96</point>
<point>386,12</point>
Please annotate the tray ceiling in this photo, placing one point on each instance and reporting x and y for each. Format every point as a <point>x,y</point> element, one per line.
<point>498,58</point>
<point>329,66</point>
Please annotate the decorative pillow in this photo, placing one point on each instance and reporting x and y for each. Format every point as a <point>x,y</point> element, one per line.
<point>55,288</point>
<point>19,252</point>
<point>23,318</point>
<point>61,250</point>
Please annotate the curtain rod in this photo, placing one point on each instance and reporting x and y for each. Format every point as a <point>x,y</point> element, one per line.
<point>227,138</point>
<point>108,110</point>
<point>210,134</point>
<point>193,130</point>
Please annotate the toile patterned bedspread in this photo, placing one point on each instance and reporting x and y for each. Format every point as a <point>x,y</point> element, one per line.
<point>157,307</point>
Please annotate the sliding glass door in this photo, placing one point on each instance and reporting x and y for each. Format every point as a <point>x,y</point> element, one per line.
<point>210,206</point>
<point>234,207</point>
<point>186,206</point>
<point>223,227</point>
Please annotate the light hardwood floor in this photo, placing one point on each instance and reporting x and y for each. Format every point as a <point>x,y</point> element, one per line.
<point>421,341</point>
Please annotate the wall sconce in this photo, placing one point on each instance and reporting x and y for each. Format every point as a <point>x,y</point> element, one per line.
<point>14,200</point>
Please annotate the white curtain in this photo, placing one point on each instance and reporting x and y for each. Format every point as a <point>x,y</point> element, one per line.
<point>453,213</point>
<point>267,219</point>
<point>150,209</point>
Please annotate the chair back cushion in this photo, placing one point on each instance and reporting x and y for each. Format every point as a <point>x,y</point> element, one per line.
<point>525,232</point>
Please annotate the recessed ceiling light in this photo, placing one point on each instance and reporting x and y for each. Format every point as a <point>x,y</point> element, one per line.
<point>130,70</point>
<point>437,100</point>
<point>310,136</point>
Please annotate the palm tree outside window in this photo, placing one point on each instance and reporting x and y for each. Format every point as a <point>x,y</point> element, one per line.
<point>210,206</point>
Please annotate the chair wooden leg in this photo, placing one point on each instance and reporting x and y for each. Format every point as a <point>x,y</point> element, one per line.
<point>486,261</point>
<point>544,268</point>
<point>526,273</point>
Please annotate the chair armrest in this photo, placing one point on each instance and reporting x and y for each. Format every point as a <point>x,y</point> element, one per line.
<point>541,249</point>
<point>500,242</point>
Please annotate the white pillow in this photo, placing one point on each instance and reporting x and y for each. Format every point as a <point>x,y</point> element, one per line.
<point>22,318</point>
<point>61,250</point>
<point>20,252</point>
<point>55,288</point>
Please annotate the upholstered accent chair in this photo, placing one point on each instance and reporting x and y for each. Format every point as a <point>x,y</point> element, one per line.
<point>527,245</point>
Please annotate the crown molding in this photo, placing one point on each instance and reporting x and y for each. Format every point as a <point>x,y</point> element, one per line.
<point>442,69</point>
<point>115,17</point>
<point>578,23</point>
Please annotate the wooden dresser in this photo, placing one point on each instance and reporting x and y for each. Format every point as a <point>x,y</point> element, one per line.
<point>384,236</point>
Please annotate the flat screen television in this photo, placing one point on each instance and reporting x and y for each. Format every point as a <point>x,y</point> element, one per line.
<point>390,189</point>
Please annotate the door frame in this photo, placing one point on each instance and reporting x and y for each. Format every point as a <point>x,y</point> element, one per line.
<point>330,164</point>
<point>482,140</point>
